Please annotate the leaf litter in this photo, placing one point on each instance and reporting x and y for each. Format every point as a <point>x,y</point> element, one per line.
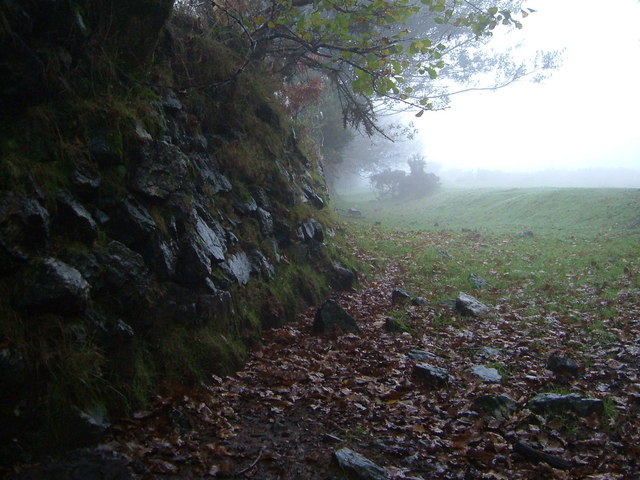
<point>302,397</point>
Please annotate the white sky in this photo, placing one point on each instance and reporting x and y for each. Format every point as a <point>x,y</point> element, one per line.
<point>587,114</point>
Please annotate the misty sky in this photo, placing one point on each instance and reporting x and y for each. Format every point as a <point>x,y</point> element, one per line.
<point>585,115</point>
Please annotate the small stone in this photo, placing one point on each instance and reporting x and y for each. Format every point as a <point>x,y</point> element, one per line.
<point>526,233</point>
<point>498,406</point>
<point>400,296</point>
<point>360,466</point>
<point>488,352</point>
<point>421,355</point>
<point>477,281</point>
<point>393,325</point>
<point>563,366</point>
<point>331,316</point>
<point>488,375</point>
<point>445,254</point>
<point>468,305</point>
<point>418,301</point>
<point>551,402</point>
<point>431,375</point>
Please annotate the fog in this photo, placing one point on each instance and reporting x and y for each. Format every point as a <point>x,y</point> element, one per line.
<point>580,127</point>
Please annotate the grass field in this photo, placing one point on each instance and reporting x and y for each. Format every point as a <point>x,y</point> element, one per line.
<point>583,250</point>
<point>548,211</point>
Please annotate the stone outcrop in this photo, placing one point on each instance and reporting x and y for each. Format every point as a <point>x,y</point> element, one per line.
<point>150,244</point>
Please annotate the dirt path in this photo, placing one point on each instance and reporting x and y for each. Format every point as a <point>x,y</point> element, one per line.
<point>302,397</point>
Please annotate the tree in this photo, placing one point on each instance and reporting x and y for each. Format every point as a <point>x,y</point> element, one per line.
<point>362,46</point>
<point>396,183</point>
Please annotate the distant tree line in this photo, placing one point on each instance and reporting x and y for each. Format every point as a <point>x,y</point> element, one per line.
<point>398,184</point>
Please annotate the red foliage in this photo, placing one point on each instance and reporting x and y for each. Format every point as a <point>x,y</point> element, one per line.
<point>302,95</point>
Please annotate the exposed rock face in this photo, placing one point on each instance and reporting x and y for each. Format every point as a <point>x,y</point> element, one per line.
<point>155,246</point>
<point>24,228</point>
<point>75,220</point>
<point>161,170</point>
<point>56,287</point>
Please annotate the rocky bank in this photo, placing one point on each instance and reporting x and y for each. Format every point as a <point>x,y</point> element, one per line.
<point>156,214</point>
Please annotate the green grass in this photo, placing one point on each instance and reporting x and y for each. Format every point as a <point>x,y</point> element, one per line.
<point>584,251</point>
<point>545,211</point>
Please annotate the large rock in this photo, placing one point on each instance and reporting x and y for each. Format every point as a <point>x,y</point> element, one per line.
<point>245,207</point>
<point>24,228</point>
<point>360,466</point>
<point>421,356</point>
<point>86,180</point>
<point>56,288</point>
<point>468,305</point>
<point>553,403</point>
<point>282,232</point>
<point>161,170</point>
<point>331,316</point>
